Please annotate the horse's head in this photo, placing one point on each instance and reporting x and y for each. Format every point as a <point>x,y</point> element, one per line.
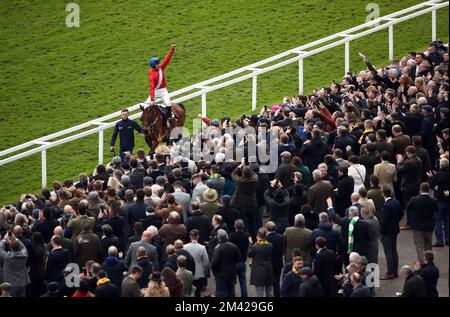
<point>149,118</point>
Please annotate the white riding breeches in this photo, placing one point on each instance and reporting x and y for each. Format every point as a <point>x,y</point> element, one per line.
<point>163,95</point>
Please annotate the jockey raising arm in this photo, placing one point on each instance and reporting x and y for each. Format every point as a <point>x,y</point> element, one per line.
<point>157,79</point>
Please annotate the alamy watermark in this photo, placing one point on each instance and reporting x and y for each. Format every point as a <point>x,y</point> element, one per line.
<point>258,146</point>
<point>374,12</point>
<point>73,18</point>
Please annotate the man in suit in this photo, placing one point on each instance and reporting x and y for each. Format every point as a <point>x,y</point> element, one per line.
<point>359,289</point>
<point>198,220</point>
<point>414,284</point>
<point>400,140</point>
<point>286,170</point>
<point>353,240</point>
<point>297,237</point>
<point>385,171</point>
<point>137,174</point>
<point>223,265</point>
<point>382,145</point>
<point>420,212</point>
<point>136,211</point>
<point>310,286</point>
<point>424,156</point>
<point>182,198</point>
<point>319,192</point>
<point>426,130</point>
<point>429,272</point>
<point>57,260</point>
<point>324,267</point>
<point>201,259</point>
<point>65,242</point>
<point>147,236</point>
<point>439,183</point>
<point>344,191</point>
<point>277,241</point>
<point>409,170</point>
<point>389,229</point>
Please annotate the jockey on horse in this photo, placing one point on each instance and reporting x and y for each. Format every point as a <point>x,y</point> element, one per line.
<point>157,81</point>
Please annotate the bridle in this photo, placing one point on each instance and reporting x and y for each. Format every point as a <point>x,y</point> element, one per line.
<point>150,127</point>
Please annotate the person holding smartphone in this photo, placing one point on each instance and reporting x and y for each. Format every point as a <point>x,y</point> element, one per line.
<point>14,264</point>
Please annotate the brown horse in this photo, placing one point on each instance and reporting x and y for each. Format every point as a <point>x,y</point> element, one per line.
<point>152,123</point>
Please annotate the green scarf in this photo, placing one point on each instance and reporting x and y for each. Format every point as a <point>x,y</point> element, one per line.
<point>351,226</point>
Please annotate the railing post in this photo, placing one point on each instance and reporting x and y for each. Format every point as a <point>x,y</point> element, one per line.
<point>100,147</point>
<point>391,42</point>
<point>433,25</point>
<point>347,57</point>
<point>44,168</point>
<point>300,76</point>
<point>203,105</point>
<point>254,92</point>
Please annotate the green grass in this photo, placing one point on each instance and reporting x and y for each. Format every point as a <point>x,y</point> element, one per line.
<point>53,77</point>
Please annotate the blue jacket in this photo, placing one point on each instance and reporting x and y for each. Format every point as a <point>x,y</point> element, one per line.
<point>325,229</point>
<point>114,268</point>
<point>125,129</point>
<point>361,291</point>
<point>290,285</point>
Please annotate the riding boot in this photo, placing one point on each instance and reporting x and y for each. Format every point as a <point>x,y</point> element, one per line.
<point>168,114</point>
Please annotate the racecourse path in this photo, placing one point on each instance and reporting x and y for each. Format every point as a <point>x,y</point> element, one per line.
<point>406,252</point>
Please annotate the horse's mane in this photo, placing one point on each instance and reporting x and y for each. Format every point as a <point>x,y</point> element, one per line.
<point>182,106</point>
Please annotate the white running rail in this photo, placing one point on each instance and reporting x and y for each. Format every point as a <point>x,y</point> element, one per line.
<point>248,72</point>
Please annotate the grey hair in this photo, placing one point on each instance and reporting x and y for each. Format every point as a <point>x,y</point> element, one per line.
<point>393,70</point>
<point>316,174</point>
<point>222,235</point>
<point>299,220</point>
<point>125,180</point>
<point>353,257</point>
<point>411,62</point>
<point>323,216</point>
<point>353,211</point>
<point>408,269</point>
<point>93,195</point>
<point>443,163</point>
<point>112,251</point>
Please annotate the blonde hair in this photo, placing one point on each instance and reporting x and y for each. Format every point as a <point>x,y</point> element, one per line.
<point>419,82</point>
<point>156,289</point>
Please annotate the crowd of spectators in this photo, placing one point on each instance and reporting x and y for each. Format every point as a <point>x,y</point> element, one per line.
<point>353,161</point>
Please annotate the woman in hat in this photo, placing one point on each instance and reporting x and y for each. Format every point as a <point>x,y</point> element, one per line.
<point>156,287</point>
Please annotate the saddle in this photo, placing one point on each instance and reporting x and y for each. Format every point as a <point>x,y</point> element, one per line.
<point>164,111</point>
